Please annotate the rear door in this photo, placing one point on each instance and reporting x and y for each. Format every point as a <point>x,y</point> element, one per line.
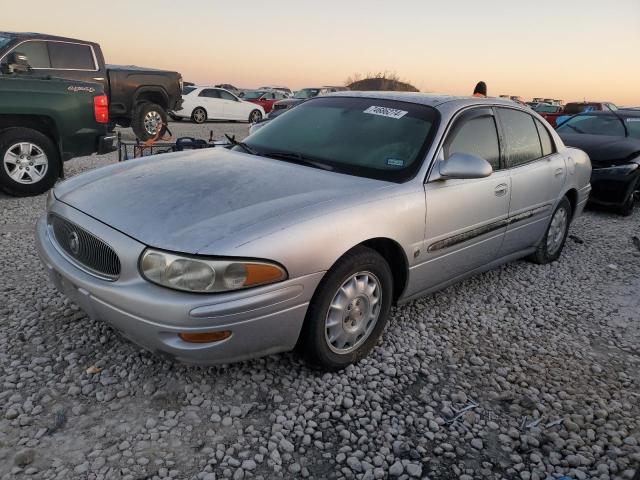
<point>466,218</point>
<point>209,98</point>
<point>537,173</point>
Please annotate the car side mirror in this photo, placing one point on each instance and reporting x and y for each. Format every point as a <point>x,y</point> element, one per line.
<point>17,63</point>
<point>463,165</point>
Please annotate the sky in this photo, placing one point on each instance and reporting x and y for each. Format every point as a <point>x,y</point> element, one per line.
<point>564,49</point>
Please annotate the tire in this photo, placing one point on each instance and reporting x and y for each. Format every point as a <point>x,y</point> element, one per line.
<point>146,117</point>
<point>30,162</point>
<point>356,269</point>
<point>199,115</point>
<point>552,243</point>
<point>255,116</point>
<point>626,209</point>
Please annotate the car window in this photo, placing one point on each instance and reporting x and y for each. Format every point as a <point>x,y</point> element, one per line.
<point>521,135</point>
<point>478,137</point>
<point>36,52</point>
<point>373,138</point>
<point>593,125</point>
<point>545,139</point>
<point>226,95</point>
<point>210,93</point>
<point>187,90</point>
<point>71,56</point>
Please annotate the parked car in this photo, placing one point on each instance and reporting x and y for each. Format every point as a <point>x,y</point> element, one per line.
<point>545,108</point>
<point>45,122</point>
<point>298,97</point>
<point>231,88</point>
<point>209,103</point>
<point>138,97</point>
<point>309,231</point>
<point>612,141</point>
<point>286,90</point>
<point>264,98</point>
<point>574,108</point>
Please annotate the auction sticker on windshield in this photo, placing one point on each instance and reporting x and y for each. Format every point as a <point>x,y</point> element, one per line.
<point>385,112</point>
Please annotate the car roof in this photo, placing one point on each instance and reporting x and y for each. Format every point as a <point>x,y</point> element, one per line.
<point>429,99</point>
<point>42,36</point>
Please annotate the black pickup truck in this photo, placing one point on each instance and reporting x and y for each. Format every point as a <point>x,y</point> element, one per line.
<point>138,97</point>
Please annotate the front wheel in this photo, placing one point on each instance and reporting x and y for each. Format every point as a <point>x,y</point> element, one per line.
<point>30,162</point>
<point>348,311</point>
<point>255,116</point>
<point>629,204</point>
<point>555,237</point>
<point>147,119</point>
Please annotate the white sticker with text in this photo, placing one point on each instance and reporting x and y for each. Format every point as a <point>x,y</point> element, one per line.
<point>385,112</point>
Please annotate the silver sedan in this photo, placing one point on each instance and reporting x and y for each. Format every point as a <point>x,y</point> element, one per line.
<point>308,232</point>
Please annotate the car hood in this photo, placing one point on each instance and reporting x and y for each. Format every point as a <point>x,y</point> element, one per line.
<point>186,201</point>
<point>604,150</point>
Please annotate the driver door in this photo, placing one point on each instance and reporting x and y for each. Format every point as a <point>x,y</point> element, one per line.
<point>466,218</point>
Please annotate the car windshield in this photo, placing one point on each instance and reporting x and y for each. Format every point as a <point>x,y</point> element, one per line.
<point>367,137</point>
<point>253,95</point>
<point>307,93</point>
<point>593,125</point>
<point>547,109</point>
<point>574,108</point>
<point>187,90</point>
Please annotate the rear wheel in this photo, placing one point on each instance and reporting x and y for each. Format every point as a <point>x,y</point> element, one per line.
<point>255,116</point>
<point>147,119</point>
<point>554,239</point>
<point>349,310</point>
<point>199,115</point>
<point>30,162</point>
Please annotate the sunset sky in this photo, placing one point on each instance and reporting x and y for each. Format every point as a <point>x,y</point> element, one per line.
<point>567,49</point>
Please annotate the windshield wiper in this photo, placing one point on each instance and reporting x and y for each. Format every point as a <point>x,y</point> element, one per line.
<point>299,158</point>
<point>242,145</point>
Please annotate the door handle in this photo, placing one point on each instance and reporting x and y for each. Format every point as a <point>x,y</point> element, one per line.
<point>558,171</point>
<point>501,190</point>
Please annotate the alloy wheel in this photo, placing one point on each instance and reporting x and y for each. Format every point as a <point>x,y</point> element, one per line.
<point>152,120</point>
<point>557,230</point>
<point>25,163</point>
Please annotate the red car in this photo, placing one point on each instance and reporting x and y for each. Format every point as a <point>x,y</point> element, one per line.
<point>264,98</point>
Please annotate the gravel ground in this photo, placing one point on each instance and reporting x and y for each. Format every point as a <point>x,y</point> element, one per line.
<point>525,372</point>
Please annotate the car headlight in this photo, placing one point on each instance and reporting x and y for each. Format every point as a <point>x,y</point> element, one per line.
<point>192,274</point>
<point>51,198</point>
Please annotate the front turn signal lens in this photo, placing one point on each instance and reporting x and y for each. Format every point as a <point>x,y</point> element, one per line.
<point>205,337</point>
<point>261,273</point>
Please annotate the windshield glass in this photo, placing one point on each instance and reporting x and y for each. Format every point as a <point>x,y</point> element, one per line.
<point>373,138</point>
<point>307,93</point>
<point>547,109</point>
<point>593,125</point>
<point>253,95</point>
<point>187,90</point>
<point>574,108</point>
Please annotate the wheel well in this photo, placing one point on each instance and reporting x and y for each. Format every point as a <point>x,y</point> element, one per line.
<point>392,252</point>
<point>572,196</point>
<point>44,125</point>
<point>154,96</point>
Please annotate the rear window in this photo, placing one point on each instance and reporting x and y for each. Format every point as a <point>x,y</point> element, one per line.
<point>187,90</point>
<point>72,56</point>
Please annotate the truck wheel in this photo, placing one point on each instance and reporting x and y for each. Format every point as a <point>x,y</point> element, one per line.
<point>146,118</point>
<point>30,162</point>
<point>199,115</point>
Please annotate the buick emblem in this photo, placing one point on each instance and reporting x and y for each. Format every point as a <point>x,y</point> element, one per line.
<point>74,243</point>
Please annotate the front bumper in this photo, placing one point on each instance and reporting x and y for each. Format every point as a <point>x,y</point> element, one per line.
<point>612,186</point>
<point>262,320</point>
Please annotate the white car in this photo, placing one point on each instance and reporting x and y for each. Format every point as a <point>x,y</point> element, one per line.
<point>209,103</point>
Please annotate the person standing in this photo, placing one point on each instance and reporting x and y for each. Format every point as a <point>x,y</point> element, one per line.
<point>480,90</point>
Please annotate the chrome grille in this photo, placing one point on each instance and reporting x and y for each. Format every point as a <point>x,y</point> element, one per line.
<point>84,248</point>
